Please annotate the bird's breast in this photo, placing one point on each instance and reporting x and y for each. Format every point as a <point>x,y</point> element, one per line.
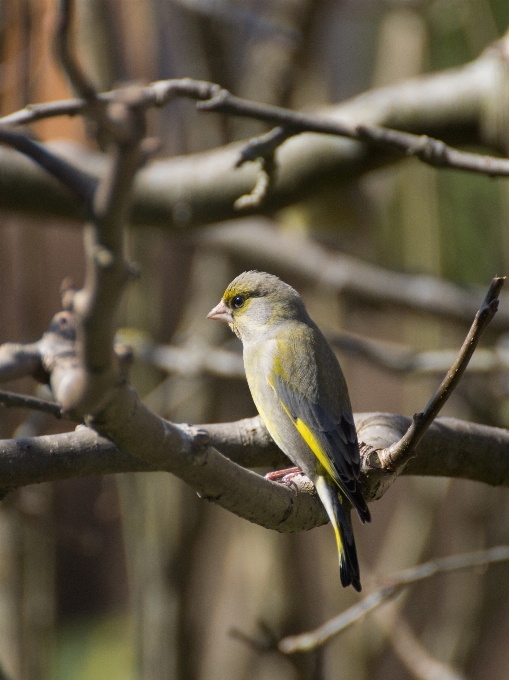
<point>259,363</point>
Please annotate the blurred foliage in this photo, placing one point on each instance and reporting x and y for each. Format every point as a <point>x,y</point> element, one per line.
<point>99,649</point>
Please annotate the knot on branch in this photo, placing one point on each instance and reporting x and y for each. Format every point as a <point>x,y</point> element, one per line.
<point>219,98</point>
<point>376,477</point>
<point>432,151</point>
<point>195,441</point>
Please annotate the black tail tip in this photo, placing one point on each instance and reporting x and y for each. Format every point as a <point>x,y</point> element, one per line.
<point>364,515</point>
<point>349,578</point>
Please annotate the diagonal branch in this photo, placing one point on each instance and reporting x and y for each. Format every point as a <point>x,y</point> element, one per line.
<point>78,181</point>
<point>399,454</point>
<point>393,585</point>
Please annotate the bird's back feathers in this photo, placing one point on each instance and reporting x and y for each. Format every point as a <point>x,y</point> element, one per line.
<point>320,408</point>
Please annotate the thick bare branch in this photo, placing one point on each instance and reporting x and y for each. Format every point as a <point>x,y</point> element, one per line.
<point>451,106</point>
<point>450,448</point>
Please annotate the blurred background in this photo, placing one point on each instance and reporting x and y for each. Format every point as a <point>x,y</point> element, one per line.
<point>133,576</point>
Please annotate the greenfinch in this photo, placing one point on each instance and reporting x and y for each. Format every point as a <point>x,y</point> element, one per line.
<point>300,392</point>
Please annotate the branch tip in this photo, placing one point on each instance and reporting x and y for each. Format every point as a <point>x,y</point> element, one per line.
<point>397,456</point>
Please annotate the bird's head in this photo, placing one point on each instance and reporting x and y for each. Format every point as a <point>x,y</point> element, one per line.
<point>256,301</point>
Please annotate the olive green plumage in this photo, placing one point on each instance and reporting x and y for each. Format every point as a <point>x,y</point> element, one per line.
<point>300,392</point>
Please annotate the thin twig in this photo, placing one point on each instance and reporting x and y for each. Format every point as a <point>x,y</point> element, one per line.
<point>259,192</point>
<point>392,586</point>
<point>261,149</point>
<point>13,400</point>
<point>211,97</point>
<point>78,181</point>
<point>398,454</point>
<point>265,642</point>
<point>263,146</point>
<point>79,81</point>
<point>434,152</point>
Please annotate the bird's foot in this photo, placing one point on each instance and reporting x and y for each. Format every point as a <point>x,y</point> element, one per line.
<point>284,476</point>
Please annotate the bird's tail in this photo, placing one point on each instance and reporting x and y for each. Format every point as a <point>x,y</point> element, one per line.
<point>338,509</point>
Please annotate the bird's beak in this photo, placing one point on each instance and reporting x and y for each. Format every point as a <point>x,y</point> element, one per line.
<point>221,313</point>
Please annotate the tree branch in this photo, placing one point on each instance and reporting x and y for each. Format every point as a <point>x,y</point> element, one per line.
<point>13,400</point>
<point>450,448</point>
<point>257,240</point>
<point>434,152</point>
<point>403,360</point>
<point>450,105</point>
<point>399,454</point>
<point>392,586</point>
<point>78,181</point>
<point>63,49</point>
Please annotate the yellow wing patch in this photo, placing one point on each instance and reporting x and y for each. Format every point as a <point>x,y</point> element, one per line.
<point>310,439</point>
<point>314,445</point>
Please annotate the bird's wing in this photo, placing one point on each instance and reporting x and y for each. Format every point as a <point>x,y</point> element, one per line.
<point>328,431</point>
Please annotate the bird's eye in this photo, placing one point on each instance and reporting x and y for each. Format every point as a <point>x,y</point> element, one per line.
<point>237,301</point>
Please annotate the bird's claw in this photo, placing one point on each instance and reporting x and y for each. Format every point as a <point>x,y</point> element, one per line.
<point>284,476</point>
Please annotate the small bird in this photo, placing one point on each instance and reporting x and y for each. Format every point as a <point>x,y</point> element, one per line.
<point>300,392</point>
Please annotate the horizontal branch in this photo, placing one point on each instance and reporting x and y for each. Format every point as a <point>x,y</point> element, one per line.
<point>256,240</point>
<point>202,188</point>
<point>403,360</point>
<point>450,448</point>
<point>390,356</point>
<point>187,361</point>
<point>434,152</point>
